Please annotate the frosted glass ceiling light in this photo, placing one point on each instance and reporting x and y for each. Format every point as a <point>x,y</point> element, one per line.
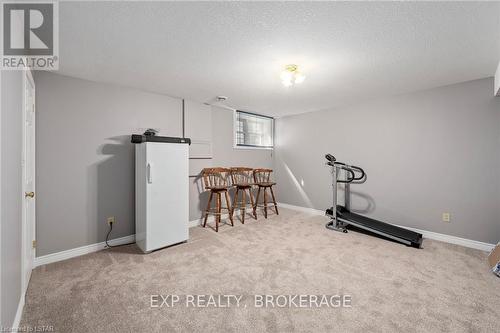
<point>291,75</point>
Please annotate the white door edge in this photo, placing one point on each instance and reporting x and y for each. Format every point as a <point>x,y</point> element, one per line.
<point>28,252</point>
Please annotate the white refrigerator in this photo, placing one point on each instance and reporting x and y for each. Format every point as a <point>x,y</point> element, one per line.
<point>161,191</point>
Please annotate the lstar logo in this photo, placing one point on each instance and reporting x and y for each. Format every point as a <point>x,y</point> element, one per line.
<point>30,35</point>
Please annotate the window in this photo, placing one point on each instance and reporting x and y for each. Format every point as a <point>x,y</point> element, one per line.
<point>253,130</point>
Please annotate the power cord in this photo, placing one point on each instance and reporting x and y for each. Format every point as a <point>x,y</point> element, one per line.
<point>107,238</point>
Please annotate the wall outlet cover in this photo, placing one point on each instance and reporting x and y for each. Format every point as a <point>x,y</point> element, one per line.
<point>446,217</point>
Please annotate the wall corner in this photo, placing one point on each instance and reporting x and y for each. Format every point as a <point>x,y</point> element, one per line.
<point>497,81</point>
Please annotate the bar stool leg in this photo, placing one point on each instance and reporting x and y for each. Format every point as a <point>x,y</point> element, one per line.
<point>229,208</point>
<point>217,219</point>
<point>235,200</point>
<point>243,205</point>
<point>265,202</point>
<point>208,209</point>
<point>274,200</point>
<point>252,202</point>
<point>256,202</point>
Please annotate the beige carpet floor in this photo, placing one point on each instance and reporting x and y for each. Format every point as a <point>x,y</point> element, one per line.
<point>440,288</point>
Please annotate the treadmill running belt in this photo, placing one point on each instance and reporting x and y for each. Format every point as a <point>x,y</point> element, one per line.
<point>385,228</point>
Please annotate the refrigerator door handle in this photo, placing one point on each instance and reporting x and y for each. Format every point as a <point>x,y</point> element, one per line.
<point>149,176</point>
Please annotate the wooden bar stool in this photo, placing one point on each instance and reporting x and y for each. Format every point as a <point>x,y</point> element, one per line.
<point>215,180</point>
<point>242,179</point>
<point>262,178</point>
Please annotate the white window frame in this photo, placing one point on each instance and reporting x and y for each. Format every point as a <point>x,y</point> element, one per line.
<point>248,147</point>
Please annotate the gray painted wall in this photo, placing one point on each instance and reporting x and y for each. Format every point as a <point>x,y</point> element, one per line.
<point>425,153</point>
<point>11,194</point>
<point>85,163</point>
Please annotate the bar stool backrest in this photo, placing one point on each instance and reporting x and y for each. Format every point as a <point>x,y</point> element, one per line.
<point>215,177</point>
<point>241,175</point>
<point>262,175</point>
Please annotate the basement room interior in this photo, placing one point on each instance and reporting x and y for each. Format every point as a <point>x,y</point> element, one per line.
<point>250,166</point>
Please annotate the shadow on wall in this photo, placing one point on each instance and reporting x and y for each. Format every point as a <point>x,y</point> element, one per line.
<point>297,186</point>
<point>360,202</point>
<point>204,195</point>
<point>114,189</point>
<point>359,197</point>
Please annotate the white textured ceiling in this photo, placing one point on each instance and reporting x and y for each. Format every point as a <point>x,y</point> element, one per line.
<point>349,51</point>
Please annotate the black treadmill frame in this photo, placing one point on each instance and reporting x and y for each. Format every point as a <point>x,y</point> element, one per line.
<point>344,217</point>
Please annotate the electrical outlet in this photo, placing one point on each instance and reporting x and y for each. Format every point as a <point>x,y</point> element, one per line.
<point>446,217</point>
<point>111,219</point>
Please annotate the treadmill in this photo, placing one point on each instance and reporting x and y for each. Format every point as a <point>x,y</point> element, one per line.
<point>342,217</point>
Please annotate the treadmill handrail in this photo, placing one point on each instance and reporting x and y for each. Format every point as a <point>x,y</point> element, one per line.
<point>349,179</point>
<point>351,169</point>
<point>360,179</point>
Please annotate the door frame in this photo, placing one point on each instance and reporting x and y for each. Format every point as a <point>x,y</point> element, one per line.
<point>0,192</point>
<point>26,267</point>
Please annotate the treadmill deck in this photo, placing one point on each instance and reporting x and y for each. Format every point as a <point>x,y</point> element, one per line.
<point>378,227</point>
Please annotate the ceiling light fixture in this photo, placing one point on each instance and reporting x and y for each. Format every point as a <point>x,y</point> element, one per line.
<point>291,75</point>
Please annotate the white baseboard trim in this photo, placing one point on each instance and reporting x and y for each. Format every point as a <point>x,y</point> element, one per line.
<point>302,209</point>
<point>426,234</point>
<point>19,312</point>
<point>79,251</point>
<point>195,223</point>
<point>453,239</point>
